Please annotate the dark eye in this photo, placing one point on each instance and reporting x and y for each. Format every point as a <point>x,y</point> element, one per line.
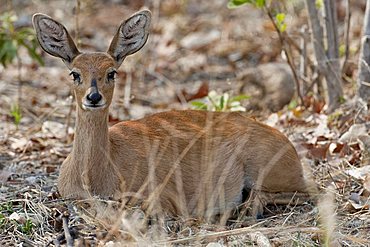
<point>111,75</point>
<point>76,77</point>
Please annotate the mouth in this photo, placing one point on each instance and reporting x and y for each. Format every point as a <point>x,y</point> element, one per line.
<point>93,107</point>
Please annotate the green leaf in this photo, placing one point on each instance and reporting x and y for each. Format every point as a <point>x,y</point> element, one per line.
<point>8,51</point>
<point>319,4</point>
<point>342,100</point>
<point>260,3</point>
<point>342,50</point>
<point>237,3</point>
<point>222,102</point>
<point>280,17</point>
<point>32,52</point>
<point>2,220</point>
<point>280,22</point>
<point>27,226</point>
<point>213,99</point>
<point>240,97</point>
<point>16,113</point>
<point>232,4</point>
<point>199,105</point>
<point>12,39</point>
<point>293,104</point>
<point>7,207</point>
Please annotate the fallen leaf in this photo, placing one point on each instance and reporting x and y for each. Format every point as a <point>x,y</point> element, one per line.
<point>201,93</point>
<point>359,173</point>
<point>318,105</point>
<point>272,120</point>
<point>364,142</point>
<point>345,150</point>
<point>18,144</point>
<point>355,158</point>
<point>317,151</point>
<point>297,112</point>
<point>359,202</point>
<point>335,148</point>
<point>15,216</point>
<point>353,133</point>
<point>321,138</point>
<point>50,169</point>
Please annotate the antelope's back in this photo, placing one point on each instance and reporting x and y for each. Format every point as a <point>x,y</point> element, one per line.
<point>208,157</point>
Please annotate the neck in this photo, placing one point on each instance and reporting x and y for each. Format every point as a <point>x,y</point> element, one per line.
<point>89,165</point>
<point>91,142</point>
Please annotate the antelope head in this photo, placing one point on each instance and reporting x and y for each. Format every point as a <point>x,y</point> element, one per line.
<point>93,73</point>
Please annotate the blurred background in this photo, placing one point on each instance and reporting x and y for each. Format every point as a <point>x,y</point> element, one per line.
<point>194,48</point>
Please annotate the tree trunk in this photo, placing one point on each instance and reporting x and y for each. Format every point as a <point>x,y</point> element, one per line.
<point>333,76</point>
<point>363,80</point>
<point>327,61</point>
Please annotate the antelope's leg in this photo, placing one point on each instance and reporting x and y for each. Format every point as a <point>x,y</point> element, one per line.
<point>260,199</point>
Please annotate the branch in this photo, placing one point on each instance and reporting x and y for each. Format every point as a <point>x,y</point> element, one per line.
<point>328,64</point>
<point>67,233</point>
<point>317,32</point>
<point>331,29</point>
<point>347,23</point>
<point>246,230</point>
<point>363,80</point>
<point>289,60</point>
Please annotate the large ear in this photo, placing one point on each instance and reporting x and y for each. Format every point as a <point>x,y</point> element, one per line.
<point>54,38</point>
<point>131,36</point>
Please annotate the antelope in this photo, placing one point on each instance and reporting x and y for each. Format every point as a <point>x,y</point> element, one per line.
<point>185,162</point>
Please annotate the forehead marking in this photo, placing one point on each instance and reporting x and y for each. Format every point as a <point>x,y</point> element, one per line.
<point>94,62</point>
<point>93,83</point>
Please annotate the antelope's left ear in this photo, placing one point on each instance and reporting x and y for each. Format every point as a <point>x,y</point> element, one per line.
<point>131,36</point>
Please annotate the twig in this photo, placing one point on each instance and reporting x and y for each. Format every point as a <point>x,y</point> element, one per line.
<point>56,241</point>
<point>294,44</point>
<point>19,68</point>
<point>347,26</point>
<point>67,233</point>
<point>289,60</point>
<point>303,54</point>
<point>363,79</point>
<point>127,92</point>
<point>245,230</point>
<point>77,31</point>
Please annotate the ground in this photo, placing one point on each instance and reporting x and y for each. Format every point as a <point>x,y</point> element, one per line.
<point>193,47</point>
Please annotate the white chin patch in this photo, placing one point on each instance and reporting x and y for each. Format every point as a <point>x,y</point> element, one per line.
<point>93,107</point>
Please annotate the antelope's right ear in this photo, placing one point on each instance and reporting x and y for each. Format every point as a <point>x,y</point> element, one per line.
<point>54,38</point>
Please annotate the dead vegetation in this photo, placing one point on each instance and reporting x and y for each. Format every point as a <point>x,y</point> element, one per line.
<point>193,44</point>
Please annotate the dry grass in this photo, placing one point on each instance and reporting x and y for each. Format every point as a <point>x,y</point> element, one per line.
<point>31,197</point>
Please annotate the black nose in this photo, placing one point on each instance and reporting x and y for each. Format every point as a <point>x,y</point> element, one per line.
<point>94,97</point>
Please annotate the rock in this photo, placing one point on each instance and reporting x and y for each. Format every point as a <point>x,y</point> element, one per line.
<point>275,84</point>
<point>200,39</point>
